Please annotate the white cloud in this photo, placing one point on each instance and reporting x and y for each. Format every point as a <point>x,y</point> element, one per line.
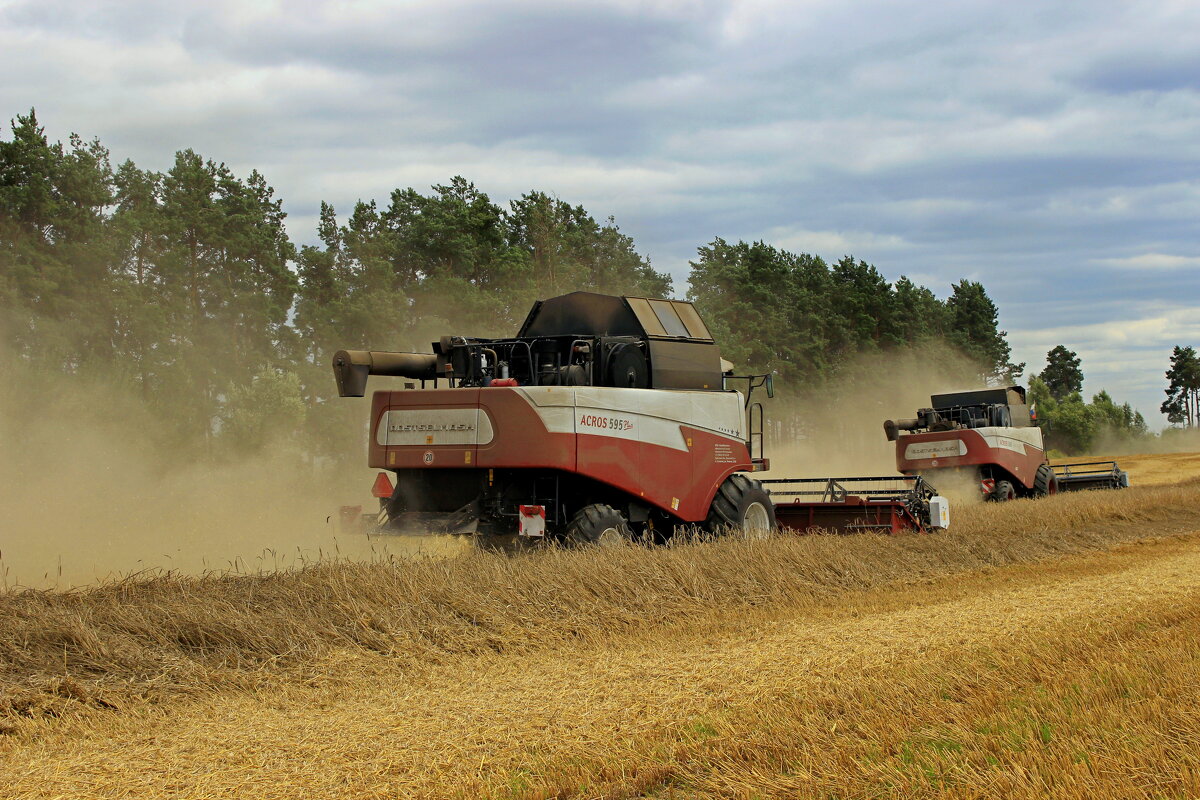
<point>1151,261</point>
<point>832,245</point>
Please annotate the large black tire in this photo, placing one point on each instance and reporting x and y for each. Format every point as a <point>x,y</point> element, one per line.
<point>1044,482</point>
<point>742,504</point>
<point>598,524</point>
<point>1002,492</point>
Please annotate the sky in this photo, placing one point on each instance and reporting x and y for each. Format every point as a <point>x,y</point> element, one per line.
<point>1050,150</point>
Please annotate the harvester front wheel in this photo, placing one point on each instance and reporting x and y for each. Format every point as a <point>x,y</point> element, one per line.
<point>743,505</point>
<point>598,524</point>
<point>1002,492</point>
<point>1044,482</point>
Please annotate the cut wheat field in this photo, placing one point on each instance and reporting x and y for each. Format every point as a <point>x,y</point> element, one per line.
<point>1038,649</point>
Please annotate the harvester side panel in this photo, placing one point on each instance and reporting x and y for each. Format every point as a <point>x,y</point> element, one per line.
<point>671,450</point>
<point>1017,450</point>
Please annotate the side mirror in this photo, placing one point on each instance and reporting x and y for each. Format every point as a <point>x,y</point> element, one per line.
<point>771,385</point>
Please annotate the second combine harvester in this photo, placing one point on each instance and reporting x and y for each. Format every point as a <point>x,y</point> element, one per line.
<point>989,436</point>
<point>603,418</point>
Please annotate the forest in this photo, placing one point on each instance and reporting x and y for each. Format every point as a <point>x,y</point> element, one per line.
<point>186,288</point>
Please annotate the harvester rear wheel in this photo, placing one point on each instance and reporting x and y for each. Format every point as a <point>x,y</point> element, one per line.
<point>1002,492</point>
<point>1044,482</point>
<point>598,524</point>
<point>742,504</point>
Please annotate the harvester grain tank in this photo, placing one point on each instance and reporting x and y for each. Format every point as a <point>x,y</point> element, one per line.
<point>603,418</point>
<point>988,433</point>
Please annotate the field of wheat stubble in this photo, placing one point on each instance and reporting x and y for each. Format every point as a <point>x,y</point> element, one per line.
<point>1037,649</point>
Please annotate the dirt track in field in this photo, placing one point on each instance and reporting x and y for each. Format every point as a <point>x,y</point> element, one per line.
<point>603,718</point>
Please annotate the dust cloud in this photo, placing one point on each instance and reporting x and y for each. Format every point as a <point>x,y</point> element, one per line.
<point>837,430</point>
<point>1171,440</point>
<point>89,492</point>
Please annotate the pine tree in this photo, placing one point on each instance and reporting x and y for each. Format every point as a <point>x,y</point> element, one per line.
<point>746,293</point>
<point>864,302</point>
<point>973,318</point>
<point>1062,374</point>
<point>54,251</point>
<point>142,313</point>
<point>918,315</point>
<point>569,250</point>
<point>1183,389</point>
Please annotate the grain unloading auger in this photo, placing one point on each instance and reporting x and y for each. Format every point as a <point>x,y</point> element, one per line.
<point>989,435</point>
<point>603,418</point>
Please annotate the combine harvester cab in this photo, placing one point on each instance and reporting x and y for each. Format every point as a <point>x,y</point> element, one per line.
<point>989,434</point>
<point>604,418</point>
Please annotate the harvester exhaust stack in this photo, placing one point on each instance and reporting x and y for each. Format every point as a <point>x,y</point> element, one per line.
<point>892,427</point>
<point>352,367</point>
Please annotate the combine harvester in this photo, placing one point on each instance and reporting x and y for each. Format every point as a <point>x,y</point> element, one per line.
<point>605,418</point>
<point>988,435</point>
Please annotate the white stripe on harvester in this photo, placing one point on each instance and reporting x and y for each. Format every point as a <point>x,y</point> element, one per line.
<point>637,414</point>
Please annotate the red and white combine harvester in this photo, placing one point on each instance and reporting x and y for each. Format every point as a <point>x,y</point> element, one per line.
<point>604,418</point>
<point>988,435</point>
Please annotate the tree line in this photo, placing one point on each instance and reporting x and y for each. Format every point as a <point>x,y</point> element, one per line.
<point>804,318</point>
<point>185,286</point>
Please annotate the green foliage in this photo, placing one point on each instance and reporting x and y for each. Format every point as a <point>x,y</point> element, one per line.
<point>919,316</point>
<point>270,408</point>
<point>1062,374</point>
<point>796,315</point>
<point>1074,427</point>
<point>178,284</point>
<point>1118,420</point>
<point>53,250</point>
<point>568,250</point>
<point>756,301</point>
<point>973,318</point>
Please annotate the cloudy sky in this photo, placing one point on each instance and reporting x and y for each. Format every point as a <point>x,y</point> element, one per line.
<point>1048,149</point>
